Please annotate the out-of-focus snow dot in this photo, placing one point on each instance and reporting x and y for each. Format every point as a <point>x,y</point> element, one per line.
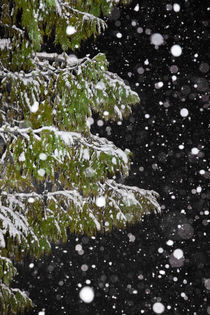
<point>194,151</point>
<point>42,156</point>
<point>140,70</point>
<point>174,77</point>
<point>204,67</point>
<point>147,116</point>
<point>119,35</point>
<point>158,308</point>
<point>176,50</point>
<point>41,313</point>
<point>202,172</point>
<point>88,281</point>
<point>31,265</point>
<point>100,123</point>
<point>78,247</point>
<point>174,69</point>
<point>208,310</point>
<point>84,267</point>
<point>34,108</point>
<point>199,189</point>
<point>140,30</point>
<point>156,39</point>
<point>169,7</point>
<point>148,31</point>
<point>81,252</point>
<point>184,296</point>
<point>61,283</point>
<point>176,7</point>
<point>181,147</point>
<point>178,253</point>
<point>140,277</point>
<point>86,294</point>
<point>41,172</point>
<point>100,201</point>
<point>106,223</point>
<point>70,30</point>
<point>89,121</point>
<point>170,243</point>
<point>160,250</point>
<point>185,231</point>
<point>159,85</point>
<point>133,23</point>
<point>162,272</point>
<point>131,237</point>
<point>136,8</point>
<point>22,157</point>
<point>184,112</point>
<point>146,62</point>
<point>207,283</point>
<point>31,200</point>
<point>106,113</point>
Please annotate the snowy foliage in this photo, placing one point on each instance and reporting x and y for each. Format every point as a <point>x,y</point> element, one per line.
<point>52,168</point>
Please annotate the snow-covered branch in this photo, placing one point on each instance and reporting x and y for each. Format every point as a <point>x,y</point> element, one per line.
<point>70,61</point>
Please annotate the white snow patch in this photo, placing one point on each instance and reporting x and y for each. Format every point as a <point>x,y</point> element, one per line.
<point>89,121</point>
<point>41,172</point>
<point>86,294</point>
<point>42,156</point>
<point>22,157</point>
<point>66,137</point>
<point>34,108</point>
<point>98,226</point>
<point>100,85</point>
<point>85,154</point>
<point>70,30</point>
<point>176,50</point>
<point>31,200</point>
<point>2,241</point>
<point>100,201</point>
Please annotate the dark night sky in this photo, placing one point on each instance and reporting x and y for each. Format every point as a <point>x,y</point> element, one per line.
<point>132,270</point>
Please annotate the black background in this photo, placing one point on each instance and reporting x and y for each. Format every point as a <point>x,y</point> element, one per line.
<point>126,277</point>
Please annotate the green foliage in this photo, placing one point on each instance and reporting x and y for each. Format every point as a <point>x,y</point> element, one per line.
<point>54,174</point>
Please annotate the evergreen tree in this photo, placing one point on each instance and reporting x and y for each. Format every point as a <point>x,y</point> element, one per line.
<point>55,174</point>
